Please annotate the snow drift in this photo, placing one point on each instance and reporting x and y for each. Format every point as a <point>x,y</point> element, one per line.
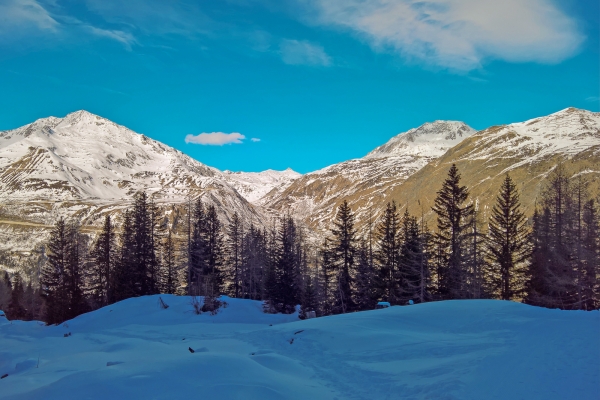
<point>479,349</point>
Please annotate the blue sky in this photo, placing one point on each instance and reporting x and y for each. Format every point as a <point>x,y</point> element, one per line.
<point>295,83</point>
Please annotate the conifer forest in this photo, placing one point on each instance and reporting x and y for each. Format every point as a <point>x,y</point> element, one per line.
<point>551,259</point>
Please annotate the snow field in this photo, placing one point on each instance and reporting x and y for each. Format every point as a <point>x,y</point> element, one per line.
<point>479,349</point>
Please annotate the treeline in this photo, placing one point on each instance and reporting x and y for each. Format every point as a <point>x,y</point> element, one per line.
<point>551,260</point>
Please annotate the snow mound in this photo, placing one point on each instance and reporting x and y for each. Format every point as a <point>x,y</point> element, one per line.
<point>479,349</point>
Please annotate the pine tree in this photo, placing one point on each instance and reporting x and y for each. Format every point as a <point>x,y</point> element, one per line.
<point>309,298</point>
<point>197,248</point>
<point>169,275</point>
<point>74,271</point>
<point>214,253</point>
<point>452,221</point>
<point>366,295</point>
<point>15,310</point>
<point>53,280</point>
<point>124,285</point>
<point>537,286</point>
<point>507,245</point>
<point>5,290</point>
<point>413,267</point>
<point>103,267</point>
<point>343,249</point>
<point>387,254</point>
<point>590,257</point>
<point>234,249</point>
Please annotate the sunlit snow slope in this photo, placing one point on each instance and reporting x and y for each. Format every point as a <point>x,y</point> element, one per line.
<point>479,349</point>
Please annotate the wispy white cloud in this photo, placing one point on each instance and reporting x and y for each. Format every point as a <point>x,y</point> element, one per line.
<point>255,139</point>
<point>456,34</point>
<point>215,138</point>
<point>593,99</point>
<point>126,38</point>
<point>302,52</point>
<point>18,16</point>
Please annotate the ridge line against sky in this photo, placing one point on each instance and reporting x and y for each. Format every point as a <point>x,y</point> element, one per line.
<point>295,83</point>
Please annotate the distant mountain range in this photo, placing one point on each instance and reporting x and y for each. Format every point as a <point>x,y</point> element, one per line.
<point>84,166</point>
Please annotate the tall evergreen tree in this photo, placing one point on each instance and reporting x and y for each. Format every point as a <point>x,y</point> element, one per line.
<point>366,293</point>
<point>235,237</point>
<point>343,249</point>
<point>413,265</point>
<point>53,280</point>
<point>77,252</point>
<point>214,276</point>
<point>103,255</point>
<point>282,290</point>
<point>169,274</point>
<point>124,285</point>
<point>387,254</point>
<point>507,244</point>
<point>452,220</point>
<point>591,257</point>
<point>5,290</point>
<point>15,310</point>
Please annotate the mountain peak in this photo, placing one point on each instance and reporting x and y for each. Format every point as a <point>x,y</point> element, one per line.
<point>431,139</point>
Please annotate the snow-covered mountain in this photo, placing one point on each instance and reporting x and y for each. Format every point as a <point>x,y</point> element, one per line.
<point>85,165</point>
<point>255,185</point>
<point>84,156</point>
<point>366,182</point>
<point>529,151</point>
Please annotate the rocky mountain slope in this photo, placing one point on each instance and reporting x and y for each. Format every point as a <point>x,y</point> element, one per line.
<point>529,151</point>
<point>367,182</point>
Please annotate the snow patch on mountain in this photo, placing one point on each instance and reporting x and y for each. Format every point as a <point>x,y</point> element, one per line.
<point>255,185</point>
<point>431,139</point>
<point>567,132</point>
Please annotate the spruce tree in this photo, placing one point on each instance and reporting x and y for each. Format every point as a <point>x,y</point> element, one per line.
<point>413,266</point>
<point>15,310</point>
<point>452,220</point>
<point>366,294</point>
<point>342,252</point>
<point>124,285</point>
<point>214,253</point>
<point>103,264</point>
<point>197,248</point>
<point>309,298</point>
<point>5,290</point>
<point>77,252</point>
<point>169,275</point>
<point>507,244</point>
<point>591,257</point>
<point>53,279</point>
<point>234,249</point>
<point>387,254</point>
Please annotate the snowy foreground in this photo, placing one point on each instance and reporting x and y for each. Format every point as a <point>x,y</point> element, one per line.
<point>448,350</point>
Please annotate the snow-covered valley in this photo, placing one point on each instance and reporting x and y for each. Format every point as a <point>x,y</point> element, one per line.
<point>475,349</point>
